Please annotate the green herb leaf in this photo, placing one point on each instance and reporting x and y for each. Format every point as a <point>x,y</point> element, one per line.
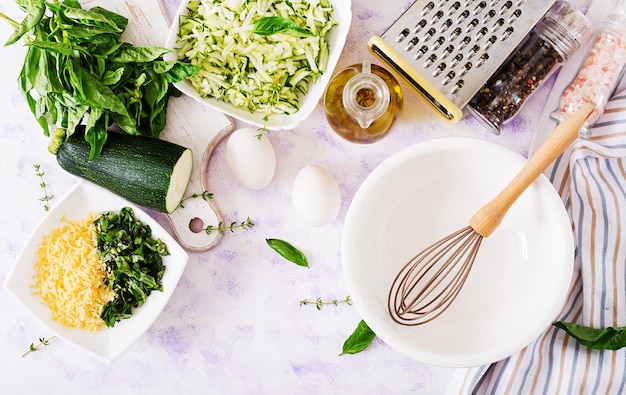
<point>359,340</point>
<point>275,24</point>
<point>62,48</point>
<point>78,67</point>
<point>129,54</point>
<point>611,338</point>
<point>287,251</point>
<point>175,71</point>
<point>319,302</point>
<point>30,20</point>
<point>46,198</point>
<point>134,261</point>
<point>221,228</point>
<point>42,342</point>
<point>205,195</point>
<point>91,17</point>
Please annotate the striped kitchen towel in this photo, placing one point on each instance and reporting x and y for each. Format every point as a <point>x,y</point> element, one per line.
<point>591,179</point>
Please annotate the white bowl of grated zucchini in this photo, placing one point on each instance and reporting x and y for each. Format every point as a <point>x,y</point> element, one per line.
<point>264,63</point>
<point>83,202</point>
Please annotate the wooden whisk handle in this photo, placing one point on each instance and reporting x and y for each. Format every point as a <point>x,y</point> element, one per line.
<point>488,217</point>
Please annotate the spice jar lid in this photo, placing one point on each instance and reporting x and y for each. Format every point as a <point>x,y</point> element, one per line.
<point>565,27</point>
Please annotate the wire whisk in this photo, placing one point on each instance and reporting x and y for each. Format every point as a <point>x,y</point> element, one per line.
<point>429,282</point>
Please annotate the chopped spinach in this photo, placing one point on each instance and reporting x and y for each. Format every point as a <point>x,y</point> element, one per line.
<point>133,259</point>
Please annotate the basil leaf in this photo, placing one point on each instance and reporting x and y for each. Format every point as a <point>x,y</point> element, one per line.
<point>287,251</point>
<point>77,67</point>
<point>155,97</point>
<point>114,19</point>
<point>92,16</point>
<point>128,54</point>
<point>73,3</point>
<point>40,71</point>
<point>175,71</point>
<point>74,116</point>
<point>359,340</point>
<point>275,24</point>
<point>80,33</point>
<point>112,77</point>
<point>611,338</point>
<point>96,131</point>
<point>30,20</point>
<point>100,96</point>
<point>62,48</point>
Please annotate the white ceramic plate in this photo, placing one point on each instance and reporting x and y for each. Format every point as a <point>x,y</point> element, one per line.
<point>336,40</point>
<point>523,270</point>
<point>105,344</point>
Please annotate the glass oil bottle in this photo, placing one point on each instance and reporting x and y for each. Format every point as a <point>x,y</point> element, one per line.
<point>362,101</point>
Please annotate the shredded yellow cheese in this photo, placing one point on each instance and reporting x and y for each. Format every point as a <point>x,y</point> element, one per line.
<point>69,275</point>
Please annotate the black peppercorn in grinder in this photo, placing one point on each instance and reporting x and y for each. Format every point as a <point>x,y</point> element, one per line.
<point>548,45</point>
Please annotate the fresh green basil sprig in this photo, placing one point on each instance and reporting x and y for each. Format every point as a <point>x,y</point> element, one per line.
<point>610,338</point>
<point>76,68</point>
<point>288,251</point>
<point>271,25</point>
<point>359,340</point>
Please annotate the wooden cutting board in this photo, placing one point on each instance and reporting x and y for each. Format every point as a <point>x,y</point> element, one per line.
<point>189,123</point>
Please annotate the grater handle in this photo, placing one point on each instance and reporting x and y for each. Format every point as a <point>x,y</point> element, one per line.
<point>435,98</point>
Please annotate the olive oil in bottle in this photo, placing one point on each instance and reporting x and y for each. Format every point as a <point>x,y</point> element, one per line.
<point>362,101</point>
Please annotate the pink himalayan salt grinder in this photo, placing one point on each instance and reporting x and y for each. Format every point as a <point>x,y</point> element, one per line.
<point>600,72</point>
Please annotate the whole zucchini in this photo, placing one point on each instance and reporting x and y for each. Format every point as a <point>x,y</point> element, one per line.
<point>146,171</point>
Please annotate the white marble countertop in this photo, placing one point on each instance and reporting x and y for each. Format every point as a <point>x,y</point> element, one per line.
<point>234,323</point>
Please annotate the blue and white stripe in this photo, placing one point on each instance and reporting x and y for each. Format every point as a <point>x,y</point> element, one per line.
<point>591,179</point>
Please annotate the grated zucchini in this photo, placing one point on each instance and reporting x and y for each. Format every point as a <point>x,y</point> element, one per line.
<point>258,71</point>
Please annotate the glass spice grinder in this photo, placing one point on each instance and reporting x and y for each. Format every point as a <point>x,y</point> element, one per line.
<point>548,45</point>
<point>600,73</point>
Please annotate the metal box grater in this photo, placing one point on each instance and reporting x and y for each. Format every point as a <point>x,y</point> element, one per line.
<point>447,49</point>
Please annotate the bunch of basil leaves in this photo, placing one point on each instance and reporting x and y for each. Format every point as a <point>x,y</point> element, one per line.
<point>77,69</point>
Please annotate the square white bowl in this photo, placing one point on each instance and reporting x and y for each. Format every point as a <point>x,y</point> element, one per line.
<point>342,13</point>
<point>109,343</point>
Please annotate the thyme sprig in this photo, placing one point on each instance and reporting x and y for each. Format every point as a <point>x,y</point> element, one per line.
<point>205,195</point>
<point>34,347</point>
<point>269,108</point>
<point>319,302</point>
<point>222,228</point>
<point>46,198</point>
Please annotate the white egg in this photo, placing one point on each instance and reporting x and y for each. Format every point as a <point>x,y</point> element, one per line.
<point>252,161</point>
<point>315,196</point>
